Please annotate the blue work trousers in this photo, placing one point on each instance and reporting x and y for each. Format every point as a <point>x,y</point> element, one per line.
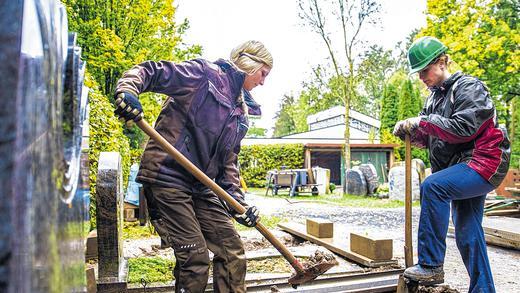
<point>466,190</point>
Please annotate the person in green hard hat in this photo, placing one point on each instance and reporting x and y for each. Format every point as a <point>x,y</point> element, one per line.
<point>469,155</point>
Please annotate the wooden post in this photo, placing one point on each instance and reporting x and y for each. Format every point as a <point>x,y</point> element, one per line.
<point>408,247</point>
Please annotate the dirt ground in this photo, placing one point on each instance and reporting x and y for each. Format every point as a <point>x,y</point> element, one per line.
<point>505,263</point>
<point>389,223</point>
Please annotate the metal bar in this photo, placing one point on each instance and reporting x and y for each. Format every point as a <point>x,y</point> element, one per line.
<point>385,281</point>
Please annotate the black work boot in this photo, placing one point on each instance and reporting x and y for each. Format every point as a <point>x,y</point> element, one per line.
<point>425,275</point>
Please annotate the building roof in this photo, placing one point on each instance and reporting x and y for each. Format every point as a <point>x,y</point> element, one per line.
<point>317,142</point>
<point>340,111</point>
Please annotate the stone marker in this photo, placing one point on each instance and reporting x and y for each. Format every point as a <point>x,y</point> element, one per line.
<point>370,173</point>
<point>356,183</point>
<point>109,214</point>
<point>320,228</point>
<point>419,166</point>
<point>375,249</point>
<point>91,280</point>
<point>91,251</point>
<point>396,183</point>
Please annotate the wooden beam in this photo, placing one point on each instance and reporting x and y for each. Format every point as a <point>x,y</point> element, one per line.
<point>340,246</point>
<point>500,231</point>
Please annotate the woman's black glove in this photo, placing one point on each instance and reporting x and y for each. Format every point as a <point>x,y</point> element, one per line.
<point>249,218</point>
<point>128,108</point>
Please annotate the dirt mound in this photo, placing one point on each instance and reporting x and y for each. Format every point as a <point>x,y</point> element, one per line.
<point>437,289</point>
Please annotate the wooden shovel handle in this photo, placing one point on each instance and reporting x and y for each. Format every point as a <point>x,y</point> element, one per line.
<point>408,248</point>
<point>190,167</point>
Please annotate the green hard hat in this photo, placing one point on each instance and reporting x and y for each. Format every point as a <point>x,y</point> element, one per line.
<point>423,51</point>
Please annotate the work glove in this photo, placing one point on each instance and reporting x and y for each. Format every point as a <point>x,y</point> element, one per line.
<point>406,126</point>
<point>128,109</point>
<point>249,218</point>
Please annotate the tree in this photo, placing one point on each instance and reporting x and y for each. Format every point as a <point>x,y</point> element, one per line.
<point>482,37</point>
<point>389,111</point>
<point>255,131</point>
<point>284,124</point>
<point>401,99</point>
<point>377,64</point>
<point>317,95</point>
<point>410,101</point>
<point>117,34</point>
<point>352,16</point>
<point>515,134</point>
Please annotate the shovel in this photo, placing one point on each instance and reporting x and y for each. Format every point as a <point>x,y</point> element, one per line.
<point>403,285</point>
<point>303,273</point>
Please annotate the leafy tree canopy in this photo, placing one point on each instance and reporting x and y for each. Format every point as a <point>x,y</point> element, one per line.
<point>482,37</point>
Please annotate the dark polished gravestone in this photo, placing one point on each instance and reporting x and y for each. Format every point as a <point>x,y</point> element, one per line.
<point>112,267</point>
<point>43,199</point>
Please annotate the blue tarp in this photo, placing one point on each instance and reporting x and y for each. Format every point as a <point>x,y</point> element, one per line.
<point>132,192</point>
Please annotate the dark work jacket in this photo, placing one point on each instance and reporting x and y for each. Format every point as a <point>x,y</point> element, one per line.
<point>201,118</point>
<point>458,124</point>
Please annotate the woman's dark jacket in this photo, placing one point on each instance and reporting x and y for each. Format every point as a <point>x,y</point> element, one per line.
<point>458,124</point>
<point>201,118</point>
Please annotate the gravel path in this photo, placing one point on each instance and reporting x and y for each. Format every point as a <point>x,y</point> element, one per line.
<point>505,263</point>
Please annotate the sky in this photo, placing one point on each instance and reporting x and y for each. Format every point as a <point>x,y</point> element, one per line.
<point>219,26</point>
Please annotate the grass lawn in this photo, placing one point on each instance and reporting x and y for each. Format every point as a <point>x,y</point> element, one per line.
<point>336,199</point>
<point>159,270</point>
<point>269,222</point>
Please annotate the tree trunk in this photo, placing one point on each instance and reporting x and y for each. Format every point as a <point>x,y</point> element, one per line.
<point>346,136</point>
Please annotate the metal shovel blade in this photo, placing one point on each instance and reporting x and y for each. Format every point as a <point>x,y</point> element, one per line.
<point>318,264</point>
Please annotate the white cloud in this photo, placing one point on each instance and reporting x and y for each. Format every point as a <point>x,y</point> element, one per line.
<point>218,26</point>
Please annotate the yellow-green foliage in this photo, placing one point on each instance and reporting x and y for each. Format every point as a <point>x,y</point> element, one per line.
<point>106,135</point>
<point>514,134</point>
<point>482,37</point>
<point>256,160</point>
<point>150,269</point>
<point>132,230</point>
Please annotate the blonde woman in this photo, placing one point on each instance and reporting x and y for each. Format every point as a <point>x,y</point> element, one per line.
<point>205,118</point>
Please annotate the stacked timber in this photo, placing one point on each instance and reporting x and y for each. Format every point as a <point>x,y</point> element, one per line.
<point>501,231</point>
<point>507,207</point>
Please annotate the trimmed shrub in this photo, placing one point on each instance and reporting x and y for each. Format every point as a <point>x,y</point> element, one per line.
<point>106,135</point>
<point>256,160</point>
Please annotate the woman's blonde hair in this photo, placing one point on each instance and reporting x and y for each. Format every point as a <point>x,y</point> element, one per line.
<point>251,56</point>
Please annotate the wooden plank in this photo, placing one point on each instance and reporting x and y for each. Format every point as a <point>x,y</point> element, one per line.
<point>503,227</point>
<point>503,213</point>
<point>337,245</point>
<point>494,240</point>
<point>500,231</point>
<point>373,248</point>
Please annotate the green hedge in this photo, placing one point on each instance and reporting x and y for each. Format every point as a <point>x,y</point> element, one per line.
<point>106,135</point>
<point>256,160</point>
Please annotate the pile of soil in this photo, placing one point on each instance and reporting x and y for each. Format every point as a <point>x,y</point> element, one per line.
<point>437,289</point>
<point>320,257</point>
